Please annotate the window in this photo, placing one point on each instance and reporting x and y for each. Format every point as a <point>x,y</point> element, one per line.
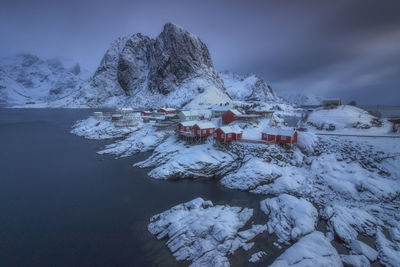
<point>215,134</point>
<point>204,131</point>
<point>222,136</point>
<point>198,131</point>
<point>283,138</point>
<point>229,135</point>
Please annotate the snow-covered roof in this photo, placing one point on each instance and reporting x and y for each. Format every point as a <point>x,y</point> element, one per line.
<point>205,125</point>
<point>280,131</point>
<point>231,129</point>
<point>236,112</point>
<point>168,109</point>
<point>191,112</point>
<point>126,109</point>
<point>147,111</point>
<point>188,123</point>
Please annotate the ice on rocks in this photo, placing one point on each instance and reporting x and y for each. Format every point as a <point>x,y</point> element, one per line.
<point>313,249</point>
<point>290,218</point>
<point>205,234</point>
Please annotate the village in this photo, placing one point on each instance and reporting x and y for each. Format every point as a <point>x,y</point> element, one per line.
<point>334,169</point>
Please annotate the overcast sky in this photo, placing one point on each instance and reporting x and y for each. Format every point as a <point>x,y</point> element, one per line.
<point>348,49</point>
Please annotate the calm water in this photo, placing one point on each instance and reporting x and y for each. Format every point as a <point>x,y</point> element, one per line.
<point>61,204</point>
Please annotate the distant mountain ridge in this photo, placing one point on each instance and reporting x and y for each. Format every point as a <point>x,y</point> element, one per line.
<point>303,99</point>
<point>27,78</point>
<point>248,88</point>
<point>173,69</point>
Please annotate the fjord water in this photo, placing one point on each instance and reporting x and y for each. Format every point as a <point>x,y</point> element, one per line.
<point>61,204</point>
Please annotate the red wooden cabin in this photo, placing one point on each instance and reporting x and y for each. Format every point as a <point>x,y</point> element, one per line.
<point>228,133</point>
<point>146,113</point>
<point>167,110</point>
<point>185,126</point>
<point>116,117</point>
<point>203,129</point>
<point>282,136</point>
<point>230,115</point>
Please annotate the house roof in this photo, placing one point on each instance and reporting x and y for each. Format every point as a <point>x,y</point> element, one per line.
<point>168,109</point>
<point>188,123</point>
<point>205,125</point>
<point>231,129</point>
<point>280,131</point>
<point>190,112</point>
<point>236,112</point>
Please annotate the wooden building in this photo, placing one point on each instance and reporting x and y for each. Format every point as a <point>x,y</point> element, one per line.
<point>190,115</point>
<point>230,115</point>
<point>146,113</point>
<point>228,133</point>
<point>277,135</point>
<point>166,111</point>
<point>203,129</point>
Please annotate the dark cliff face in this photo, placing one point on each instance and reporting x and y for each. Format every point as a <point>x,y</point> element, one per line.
<point>176,56</point>
<point>161,64</point>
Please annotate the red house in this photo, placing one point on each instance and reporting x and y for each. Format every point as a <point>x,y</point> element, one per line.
<point>166,111</point>
<point>185,126</point>
<point>146,113</point>
<point>230,115</point>
<point>282,136</point>
<point>228,133</point>
<point>203,129</point>
<point>116,117</point>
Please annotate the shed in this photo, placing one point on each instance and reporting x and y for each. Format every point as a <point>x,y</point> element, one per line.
<point>203,128</point>
<point>189,115</point>
<point>167,110</point>
<point>278,135</point>
<point>230,115</point>
<point>228,133</point>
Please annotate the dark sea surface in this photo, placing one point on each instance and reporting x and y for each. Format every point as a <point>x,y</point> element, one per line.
<point>61,204</point>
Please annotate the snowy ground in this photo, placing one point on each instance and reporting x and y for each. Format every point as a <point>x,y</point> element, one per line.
<point>350,184</point>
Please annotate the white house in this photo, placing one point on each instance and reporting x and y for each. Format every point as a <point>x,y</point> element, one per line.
<point>189,115</point>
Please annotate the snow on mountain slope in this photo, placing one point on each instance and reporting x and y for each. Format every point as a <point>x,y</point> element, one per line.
<point>248,88</point>
<point>302,99</point>
<point>27,78</point>
<point>173,69</point>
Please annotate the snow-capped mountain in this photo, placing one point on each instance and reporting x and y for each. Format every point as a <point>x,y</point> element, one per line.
<point>248,88</point>
<point>302,99</point>
<point>26,78</point>
<point>173,69</point>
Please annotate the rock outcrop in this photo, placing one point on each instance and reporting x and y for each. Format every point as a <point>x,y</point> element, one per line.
<point>173,69</point>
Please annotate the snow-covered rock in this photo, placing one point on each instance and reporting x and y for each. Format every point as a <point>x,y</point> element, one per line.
<point>248,88</point>
<point>92,128</point>
<point>173,69</point>
<point>389,252</point>
<point>355,260</point>
<point>347,223</point>
<point>358,247</point>
<point>307,141</point>
<point>257,256</point>
<point>26,78</point>
<point>290,218</point>
<point>313,249</point>
<point>342,117</point>
<point>174,159</point>
<point>202,233</point>
<point>143,139</point>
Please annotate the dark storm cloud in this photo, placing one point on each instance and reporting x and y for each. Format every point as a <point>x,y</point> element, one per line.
<point>332,48</point>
